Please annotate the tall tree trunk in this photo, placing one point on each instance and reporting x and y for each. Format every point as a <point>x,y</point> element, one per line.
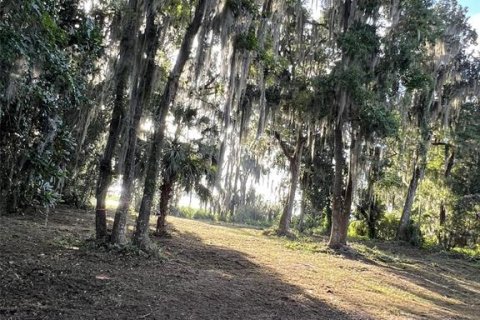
<point>295,162</point>
<point>372,230</point>
<point>302,213</point>
<point>402,232</point>
<point>121,77</point>
<point>328,217</point>
<point>140,237</point>
<point>372,219</point>
<point>142,88</point>
<point>284,226</point>
<point>165,197</point>
<point>338,234</point>
<point>443,214</point>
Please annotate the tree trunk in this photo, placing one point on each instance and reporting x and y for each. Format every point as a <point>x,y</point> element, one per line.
<point>402,232</point>
<point>338,234</point>
<point>443,214</point>
<point>121,76</point>
<point>142,89</point>
<point>140,237</point>
<point>295,162</point>
<point>328,217</point>
<point>165,196</point>
<point>302,213</point>
<point>284,226</point>
<point>372,229</point>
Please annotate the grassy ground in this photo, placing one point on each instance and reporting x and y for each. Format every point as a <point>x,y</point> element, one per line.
<point>214,271</point>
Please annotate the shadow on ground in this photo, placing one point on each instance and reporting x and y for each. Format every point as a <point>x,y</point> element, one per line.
<point>453,285</point>
<point>45,273</point>
<point>430,285</point>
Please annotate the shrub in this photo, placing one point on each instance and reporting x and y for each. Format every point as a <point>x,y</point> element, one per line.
<point>414,234</point>
<point>201,214</point>
<point>192,213</point>
<point>472,252</point>
<point>253,215</point>
<point>387,227</point>
<point>357,229</point>
<point>312,222</point>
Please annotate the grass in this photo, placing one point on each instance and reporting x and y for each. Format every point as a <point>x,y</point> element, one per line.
<point>213,270</point>
<point>381,280</point>
<point>472,253</point>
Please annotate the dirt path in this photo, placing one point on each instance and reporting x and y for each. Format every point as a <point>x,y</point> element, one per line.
<point>219,272</point>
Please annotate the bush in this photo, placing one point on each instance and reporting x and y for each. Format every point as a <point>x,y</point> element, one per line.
<point>472,252</point>
<point>201,214</point>
<point>252,215</point>
<point>192,213</point>
<point>312,222</point>
<point>315,224</point>
<point>414,234</point>
<point>387,227</point>
<point>357,229</point>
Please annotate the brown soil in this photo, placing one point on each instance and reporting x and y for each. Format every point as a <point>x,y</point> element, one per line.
<point>216,272</point>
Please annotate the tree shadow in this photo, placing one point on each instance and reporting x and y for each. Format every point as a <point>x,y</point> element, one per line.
<point>43,278</point>
<point>195,281</point>
<point>219,283</point>
<point>453,285</point>
<point>351,253</point>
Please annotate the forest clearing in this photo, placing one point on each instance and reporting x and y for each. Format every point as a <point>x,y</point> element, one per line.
<point>239,159</point>
<point>211,271</point>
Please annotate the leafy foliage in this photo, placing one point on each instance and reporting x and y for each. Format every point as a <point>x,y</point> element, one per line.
<point>46,51</point>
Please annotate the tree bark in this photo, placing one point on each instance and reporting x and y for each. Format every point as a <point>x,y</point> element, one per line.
<point>165,197</point>
<point>402,232</point>
<point>140,98</point>
<point>301,218</point>
<point>295,160</point>
<point>140,237</point>
<point>328,218</point>
<point>443,214</point>
<point>338,234</point>
<point>121,76</point>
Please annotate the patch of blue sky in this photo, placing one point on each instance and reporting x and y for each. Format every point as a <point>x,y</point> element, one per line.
<point>472,5</point>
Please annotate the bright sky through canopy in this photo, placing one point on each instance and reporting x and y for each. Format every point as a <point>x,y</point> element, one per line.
<point>472,5</point>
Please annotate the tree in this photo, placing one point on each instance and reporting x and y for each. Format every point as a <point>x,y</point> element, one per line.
<point>123,70</point>
<point>140,97</point>
<point>184,164</point>
<point>141,237</point>
<point>294,156</point>
<point>428,81</point>
<point>45,66</point>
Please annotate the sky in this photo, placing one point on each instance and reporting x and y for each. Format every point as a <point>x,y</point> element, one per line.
<point>474,13</point>
<point>472,5</point>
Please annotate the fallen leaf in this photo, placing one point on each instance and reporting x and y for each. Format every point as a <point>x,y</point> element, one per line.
<point>102,277</point>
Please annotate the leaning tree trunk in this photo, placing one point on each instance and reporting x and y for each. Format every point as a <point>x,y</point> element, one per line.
<point>140,237</point>
<point>301,219</point>
<point>140,98</point>
<point>284,226</point>
<point>121,77</point>
<point>418,172</point>
<point>295,162</point>
<point>165,197</point>
<point>402,232</point>
<point>338,234</point>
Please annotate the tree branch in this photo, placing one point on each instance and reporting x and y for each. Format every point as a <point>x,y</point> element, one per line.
<point>287,150</point>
